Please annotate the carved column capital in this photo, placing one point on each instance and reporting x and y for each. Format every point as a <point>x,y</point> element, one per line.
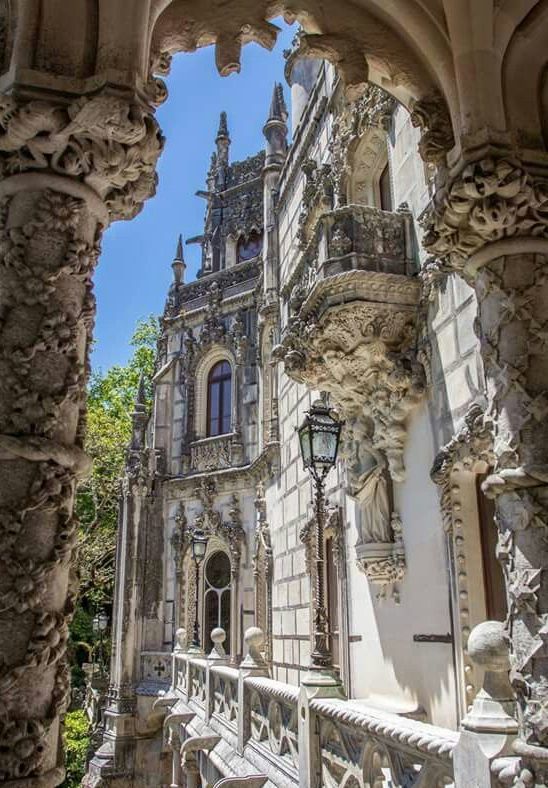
<point>103,142</point>
<point>489,201</point>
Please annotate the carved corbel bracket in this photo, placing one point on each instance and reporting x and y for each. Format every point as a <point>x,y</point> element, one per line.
<point>384,563</point>
<point>355,338</point>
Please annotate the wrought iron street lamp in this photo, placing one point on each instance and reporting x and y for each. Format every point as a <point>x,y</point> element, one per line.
<point>199,547</point>
<point>319,437</point>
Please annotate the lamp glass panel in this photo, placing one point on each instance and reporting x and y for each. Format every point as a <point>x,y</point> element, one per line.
<point>324,446</point>
<point>305,441</point>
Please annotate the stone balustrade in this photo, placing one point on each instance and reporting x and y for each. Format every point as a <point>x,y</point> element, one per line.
<point>211,454</point>
<point>256,731</point>
<point>258,718</point>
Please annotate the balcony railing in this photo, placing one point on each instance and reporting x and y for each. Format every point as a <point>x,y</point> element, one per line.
<point>211,454</point>
<point>355,238</point>
<point>258,718</point>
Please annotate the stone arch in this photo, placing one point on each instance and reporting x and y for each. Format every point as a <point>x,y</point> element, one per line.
<point>203,368</point>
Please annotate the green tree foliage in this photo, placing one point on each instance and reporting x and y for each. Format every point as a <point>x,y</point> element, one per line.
<point>111,398</point>
<point>76,740</point>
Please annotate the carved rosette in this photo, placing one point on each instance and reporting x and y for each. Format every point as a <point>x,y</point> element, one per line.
<point>362,352</point>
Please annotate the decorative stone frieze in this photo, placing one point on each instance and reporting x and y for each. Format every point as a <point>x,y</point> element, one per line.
<point>211,454</point>
<point>103,141</point>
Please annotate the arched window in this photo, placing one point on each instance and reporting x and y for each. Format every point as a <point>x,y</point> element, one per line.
<point>217,597</point>
<point>249,247</point>
<point>385,190</point>
<point>219,399</point>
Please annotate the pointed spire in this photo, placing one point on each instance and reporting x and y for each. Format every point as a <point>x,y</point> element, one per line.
<point>278,109</point>
<point>222,132</point>
<point>141,398</point>
<point>179,252</point>
<point>178,265</point>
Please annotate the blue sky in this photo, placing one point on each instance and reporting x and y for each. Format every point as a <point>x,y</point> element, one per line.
<point>135,267</point>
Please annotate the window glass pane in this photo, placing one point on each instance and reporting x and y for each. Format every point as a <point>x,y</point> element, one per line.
<point>385,190</point>
<point>218,570</point>
<point>225,617</point>
<point>226,405</point>
<point>211,617</point>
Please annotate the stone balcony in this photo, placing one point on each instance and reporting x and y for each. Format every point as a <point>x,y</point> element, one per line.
<point>352,320</point>
<point>212,454</point>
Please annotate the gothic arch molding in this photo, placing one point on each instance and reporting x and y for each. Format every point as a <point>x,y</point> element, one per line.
<point>203,368</point>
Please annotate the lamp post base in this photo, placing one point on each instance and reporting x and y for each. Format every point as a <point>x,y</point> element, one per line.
<point>325,679</point>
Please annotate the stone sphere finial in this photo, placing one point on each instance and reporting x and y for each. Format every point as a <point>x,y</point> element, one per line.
<point>180,637</point>
<point>488,646</point>
<point>254,640</point>
<point>218,635</point>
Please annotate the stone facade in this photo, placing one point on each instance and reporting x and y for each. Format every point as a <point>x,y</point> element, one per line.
<point>424,326</point>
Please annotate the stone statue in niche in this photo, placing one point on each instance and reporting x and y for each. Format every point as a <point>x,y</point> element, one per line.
<point>380,550</point>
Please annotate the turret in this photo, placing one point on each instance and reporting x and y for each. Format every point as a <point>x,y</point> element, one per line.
<point>300,73</point>
<point>222,141</point>
<point>275,132</point>
<point>275,128</point>
<point>139,418</point>
<point>178,265</point>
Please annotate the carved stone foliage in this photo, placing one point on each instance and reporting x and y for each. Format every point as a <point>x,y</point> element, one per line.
<point>363,354</point>
<point>46,316</point>
<point>368,116</point>
<point>431,115</point>
<point>210,520</point>
<point>489,200</point>
<point>103,141</point>
<point>512,300</point>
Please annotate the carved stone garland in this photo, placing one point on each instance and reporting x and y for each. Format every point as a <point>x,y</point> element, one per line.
<point>496,201</point>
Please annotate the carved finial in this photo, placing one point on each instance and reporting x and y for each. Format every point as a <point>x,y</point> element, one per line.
<point>178,265</point>
<point>141,398</point>
<point>218,637</point>
<point>254,640</point>
<point>222,132</point>
<point>493,707</point>
<point>181,638</point>
<point>278,109</point>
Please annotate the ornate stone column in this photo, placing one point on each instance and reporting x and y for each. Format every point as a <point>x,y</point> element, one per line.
<point>67,171</point>
<point>490,224</point>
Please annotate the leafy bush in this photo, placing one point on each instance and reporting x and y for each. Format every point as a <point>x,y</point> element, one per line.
<point>76,739</point>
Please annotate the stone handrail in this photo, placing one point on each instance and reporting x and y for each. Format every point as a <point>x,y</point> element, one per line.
<point>391,728</point>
